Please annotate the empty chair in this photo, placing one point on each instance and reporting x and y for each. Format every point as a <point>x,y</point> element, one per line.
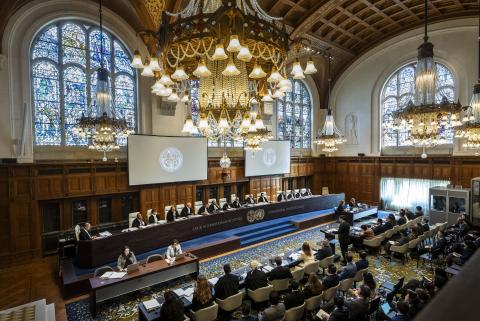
<point>197,205</point>
<point>295,314</point>
<point>280,285</point>
<point>101,270</point>
<point>166,209</point>
<point>154,257</point>
<point>330,293</point>
<point>313,303</point>
<point>180,207</point>
<point>207,314</point>
<point>345,285</point>
<point>298,274</point>
<point>401,249</point>
<point>325,191</point>
<point>231,303</point>
<point>375,242</point>
<point>359,276</point>
<point>324,263</point>
<point>261,294</point>
<point>389,233</point>
<point>311,267</point>
<point>233,197</point>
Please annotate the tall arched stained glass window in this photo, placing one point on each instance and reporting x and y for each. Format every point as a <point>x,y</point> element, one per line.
<point>65,56</point>
<point>294,116</point>
<point>400,89</point>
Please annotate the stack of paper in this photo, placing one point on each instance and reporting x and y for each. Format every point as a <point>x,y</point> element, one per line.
<point>117,275</point>
<point>151,304</point>
<point>179,292</point>
<point>105,234</point>
<point>213,281</point>
<point>267,268</point>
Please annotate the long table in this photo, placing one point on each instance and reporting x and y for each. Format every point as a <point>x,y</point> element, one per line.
<point>147,275</point>
<point>96,252</point>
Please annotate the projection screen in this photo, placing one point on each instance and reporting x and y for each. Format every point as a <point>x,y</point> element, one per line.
<point>274,158</point>
<point>163,159</point>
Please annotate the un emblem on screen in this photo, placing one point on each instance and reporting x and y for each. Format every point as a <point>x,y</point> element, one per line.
<point>255,215</point>
<point>171,159</point>
<point>269,157</point>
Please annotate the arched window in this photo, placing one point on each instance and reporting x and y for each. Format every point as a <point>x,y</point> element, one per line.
<point>64,58</point>
<point>400,89</point>
<point>294,116</point>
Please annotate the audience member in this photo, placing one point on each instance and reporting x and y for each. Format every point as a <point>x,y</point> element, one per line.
<point>369,281</point>
<point>276,310</point>
<point>313,286</point>
<point>358,307</point>
<point>331,279</point>
<point>296,297</point>
<point>227,285</point>
<point>340,312</point>
<point>403,219</point>
<point>362,263</point>
<point>341,206</point>
<point>186,210</point>
<point>402,312</point>
<point>172,308</point>
<point>173,249</point>
<point>324,251</point>
<point>378,228</point>
<point>279,272</point>
<point>255,278</point>
<point>352,203</point>
<point>202,295</point>
<point>393,219</point>
<point>418,211</point>
<point>349,270</point>
<point>246,310</point>
<point>226,206</point>
<point>306,256</point>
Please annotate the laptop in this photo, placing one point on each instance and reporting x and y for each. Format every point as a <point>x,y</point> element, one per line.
<point>132,268</point>
<point>386,308</point>
<point>180,257</point>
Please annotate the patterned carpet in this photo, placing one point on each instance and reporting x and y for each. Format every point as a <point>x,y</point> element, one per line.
<point>125,308</point>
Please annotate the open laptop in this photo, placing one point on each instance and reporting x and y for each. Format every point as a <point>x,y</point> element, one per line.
<point>132,268</point>
<point>386,308</point>
<point>179,257</point>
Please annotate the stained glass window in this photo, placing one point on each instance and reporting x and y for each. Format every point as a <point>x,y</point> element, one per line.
<point>400,89</point>
<point>65,56</point>
<point>294,120</point>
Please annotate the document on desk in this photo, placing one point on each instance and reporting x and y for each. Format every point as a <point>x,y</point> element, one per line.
<point>267,268</point>
<point>151,304</point>
<point>105,234</point>
<point>117,275</point>
<point>213,281</point>
<point>107,275</point>
<point>179,292</point>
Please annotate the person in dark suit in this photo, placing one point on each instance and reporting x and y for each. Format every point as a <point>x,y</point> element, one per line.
<point>297,194</point>
<point>255,278</point>
<point>202,295</point>
<point>296,297</point>
<point>403,310</point>
<point>250,200</point>
<point>138,221</point>
<point>262,198</point>
<point>202,210</point>
<point>290,196</point>
<point>279,272</point>
<point>246,311</point>
<point>378,228</point>
<point>362,263</point>
<point>324,251</point>
<point>152,218</point>
<point>344,236</point>
<point>236,203</point>
<point>331,279</point>
<point>352,203</point>
<point>227,285</point>
<point>425,225</point>
<point>226,206</point>
<point>307,192</point>
<point>349,270</point>
<point>410,214</point>
<point>418,211</point>
<point>172,308</point>
<point>388,224</point>
<point>340,313</point>
<point>358,308</point>
<point>84,234</point>
<point>276,310</point>
<point>281,197</point>
<point>213,207</point>
<point>341,206</point>
<point>392,218</point>
<point>187,210</point>
<point>172,214</point>
<point>402,220</point>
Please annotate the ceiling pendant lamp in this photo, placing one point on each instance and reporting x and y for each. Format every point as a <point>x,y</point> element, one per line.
<point>202,70</point>
<point>173,97</point>
<point>166,80</point>
<point>231,69</point>
<point>154,66</point>
<point>310,67</point>
<point>137,60</point>
<point>147,71</point>
<point>179,74</point>
<point>234,44</point>
<point>297,67</point>
<point>219,53</point>
<point>275,76</point>
<point>244,54</point>
<point>257,72</point>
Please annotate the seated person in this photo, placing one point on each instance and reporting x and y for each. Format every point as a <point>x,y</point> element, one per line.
<point>367,233</point>
<point>290,196</point>
<point>172,214</point>
<point>186,210</point>
<point>414,303</point>
<point>349,270</point>
<point>403,310</point>
<point>213,207</point>
<point>462,253</point>
<point>279,272</point>
<point>362,263</point>
<point>84,234</point>
<point>276,310</point>
<point>202,295</point>
<point>226,206</point>
<point>378,228</point>
<point>403,218</point>
<point>138,221</point>
<point>410,214</point>
<point>358,308</point>
<point>297,194</point>
<point>389,224</point>
<point>152,217</point>
<point>250,200</point>
<point>324,251</point>
<point>352,203</point>
<point>340,313</point>
<point>425,225</point>
<point>295,298</point>
<point>262,198</point>
<point>236,203</point>
<point>281,197</point>
<point>227,285</point>
<point>246,311</point>
<point>202,210</point>
<point>125,259</point>
<point>331,279</point>
<point>173,249</point>
<point>313,287</point>
<point>172,308</point>
<point>306,256</point>
<point>369,281</point>
<point>156,214</point>
<point>341,206</point>
<point>255,278</point>
<point>392,218</point>
<point>401,241</point>
<point>307,192</point>
<point>418,211</point>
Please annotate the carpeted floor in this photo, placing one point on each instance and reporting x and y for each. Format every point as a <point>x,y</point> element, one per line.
<point>126,307</point>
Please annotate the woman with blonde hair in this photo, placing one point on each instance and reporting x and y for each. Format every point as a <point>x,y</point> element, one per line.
<point>202,296</point>
<point>307,255</point>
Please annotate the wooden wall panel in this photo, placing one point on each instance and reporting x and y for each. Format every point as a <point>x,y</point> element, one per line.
<point>80,184</point>
<point>49,186</point>
<point>105,183</point>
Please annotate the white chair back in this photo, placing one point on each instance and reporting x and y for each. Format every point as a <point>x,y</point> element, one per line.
<point>313,303</point>
<point>222,201</point>
<point>297,191</point>
<point>303,190</point>
<point>295,314</point>
<point>180,207</point>
<point>131,217</point>
<point>298,274</point>
<point>261,294</point>
<point>231,303</point>
<point>345,285</point>
<point>77,231</point>
<point>198,203</point>
<point>207,314</point>
<point>167,208</point>
<point>280,285</point>
<point>311,267</point>
<point>324,263</point>
<point>359,275</point>
<point>233,197</point>
<point>210,200</point>
<point>330,293</point>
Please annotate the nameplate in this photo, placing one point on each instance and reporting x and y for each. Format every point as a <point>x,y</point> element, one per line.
<point>216,224</point>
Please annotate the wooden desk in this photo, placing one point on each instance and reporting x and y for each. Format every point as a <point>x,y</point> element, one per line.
<point>98,252</point>
<point>147,275</point>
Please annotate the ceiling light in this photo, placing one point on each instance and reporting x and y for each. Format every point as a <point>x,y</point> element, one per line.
<point>257,72</point>
<point>147,72</point>
<point>180,74</point>
<point>154,66</point>
<point>234,45</point>
<point>275,76</point>
<point>310,67</point>
<point>219,53</point>
<point>166,80</point>
<point>231,69</point>
<point>244,54</point>
<point>202,70</point>
<point>137,60</point>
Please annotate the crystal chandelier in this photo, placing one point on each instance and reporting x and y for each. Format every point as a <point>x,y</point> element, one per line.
<point>102,130</point>
<point>237,52</point>
<point>330,136</point>
<point>426,122</point>
<point>470,130</point>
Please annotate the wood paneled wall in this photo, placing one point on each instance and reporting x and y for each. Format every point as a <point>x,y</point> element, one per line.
<point>24,187</point>
<point>359,177</point>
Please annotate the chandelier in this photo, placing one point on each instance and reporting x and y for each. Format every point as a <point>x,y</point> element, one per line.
<point>426,122</point>
<point>237,52</point>
<point>330,136</point>
<point>470,130</point>
<point>102,130</point>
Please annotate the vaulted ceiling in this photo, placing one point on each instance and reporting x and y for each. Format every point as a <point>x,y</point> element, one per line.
<point>347,27</point>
